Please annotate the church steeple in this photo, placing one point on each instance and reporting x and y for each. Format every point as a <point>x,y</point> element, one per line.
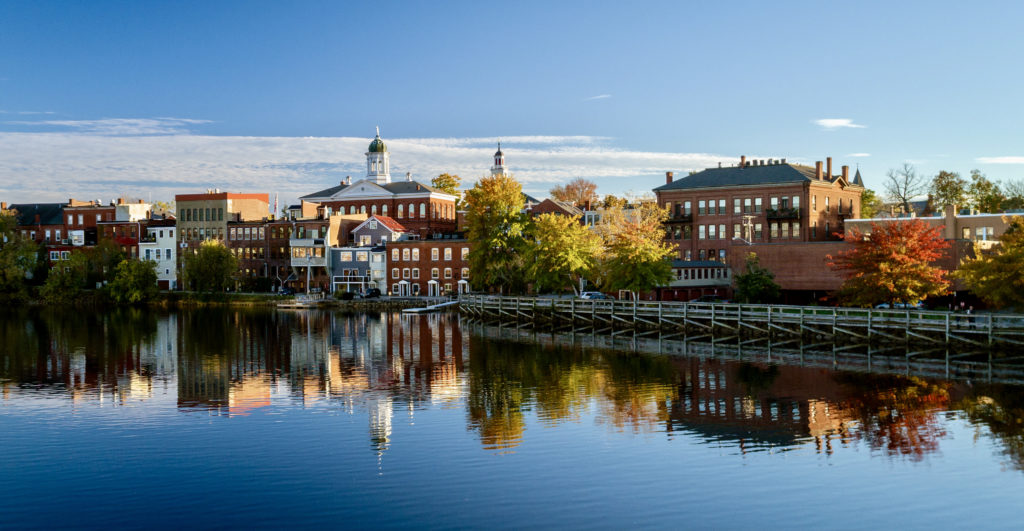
<point>499,162</point>
<point>378,161</point>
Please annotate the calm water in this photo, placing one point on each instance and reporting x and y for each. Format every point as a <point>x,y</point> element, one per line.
<point>262,419</point>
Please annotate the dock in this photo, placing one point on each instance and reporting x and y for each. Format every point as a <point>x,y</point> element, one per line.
<point>432,308</point>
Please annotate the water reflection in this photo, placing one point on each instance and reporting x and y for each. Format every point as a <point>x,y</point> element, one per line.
<point>222,362</point>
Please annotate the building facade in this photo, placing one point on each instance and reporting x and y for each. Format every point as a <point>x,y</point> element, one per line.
<point>428,267</point>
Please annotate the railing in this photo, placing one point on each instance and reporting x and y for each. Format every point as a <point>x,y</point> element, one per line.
<point>783,213</point>
<point>680,218</point>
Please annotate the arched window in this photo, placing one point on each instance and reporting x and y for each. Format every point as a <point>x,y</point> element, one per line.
<point>373,210</point>
<point>401,210</point>
<point>415,254</point>
<point>362,209</point>
<point>383,210</point>
<point>423,210</point>
<point>351,209</point>
<point>405,253</point>
<point>412,210</point>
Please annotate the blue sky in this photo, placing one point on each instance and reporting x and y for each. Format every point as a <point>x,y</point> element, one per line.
<point>104,98</point>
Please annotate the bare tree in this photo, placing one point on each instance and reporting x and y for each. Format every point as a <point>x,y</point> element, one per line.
<point>578,190</point>
<point>904,184</point>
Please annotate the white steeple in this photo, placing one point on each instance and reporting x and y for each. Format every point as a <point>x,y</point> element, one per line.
<point>378,163</point>
<point>499,163</point>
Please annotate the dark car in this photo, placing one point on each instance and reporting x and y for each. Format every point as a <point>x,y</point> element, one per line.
<point>286,291</point>
<point>372,293</point>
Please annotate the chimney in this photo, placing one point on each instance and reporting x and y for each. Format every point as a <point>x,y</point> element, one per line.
<point>668,177</point>
<point>950,221</point>
<point>762,162</point>
<point>719,164</point>
<point>817,170</point>
<point>348,180</point>
<point>140,201</point>
<point>3,205</point>
<point>743,161</point>
<point>829,163</point>
<point>783,161</point>
<point>846,173</point>
<point>408,177</point>
<point>120,200</point>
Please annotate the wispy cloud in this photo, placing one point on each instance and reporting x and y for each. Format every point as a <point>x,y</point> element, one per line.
<point>54,166</point>
<point>859,155</point>
<point>598,97</point>
<point>120,126</point>
<point>25,113</point>
<point>1001,160</point>
<point>838,123</point>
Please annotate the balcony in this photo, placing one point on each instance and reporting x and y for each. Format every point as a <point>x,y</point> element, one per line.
<point>681,218</point>
<point>846,214</point>
<point>783,213</point>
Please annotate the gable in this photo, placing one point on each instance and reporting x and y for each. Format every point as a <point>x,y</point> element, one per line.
<point>361,189</point>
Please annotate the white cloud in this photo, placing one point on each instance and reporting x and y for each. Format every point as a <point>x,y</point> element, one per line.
<point>56,166</point>
<point>838,123</point>
<point>120,126</point>
<point>859,155</point>
<point>598,97</point>
<point>1001,160</point>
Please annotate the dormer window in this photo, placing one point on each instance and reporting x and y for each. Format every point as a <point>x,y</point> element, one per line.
<point>372,224</point>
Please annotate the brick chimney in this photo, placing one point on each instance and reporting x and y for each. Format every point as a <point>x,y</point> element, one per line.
<point>120,200</point>
<point>846,173</point>
<point>3,205</point>
<point>668,177</point>
<point>743,161</point>
<point>829,165</point>
<point>817,170</point>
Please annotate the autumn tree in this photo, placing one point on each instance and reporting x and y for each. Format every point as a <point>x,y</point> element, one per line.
<point>610,201</point>
<point>211,268</point>
<point>892,263</point>
<point>579,191</point>
<point>756,284</point>
<point>986,196</point>
<point>448,184</point>
<point>998,276</point>
<point>870,204</point>
<point>497,229</point>
<point>562,253</point>
<point>948,188</point>
<point>635,255</point>
<point>904,184</point>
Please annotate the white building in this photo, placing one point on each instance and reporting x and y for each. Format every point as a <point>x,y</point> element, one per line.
<point>159,245</point>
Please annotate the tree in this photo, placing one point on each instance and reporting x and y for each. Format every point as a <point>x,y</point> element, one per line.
<point>904,184</point>
<point>562,253</point>
<point>497,228</point>
<point>1014,191</point>
<point>998,276</point>
<point>948,188</point>
<point>66,281</point>
<point>635,257</point>
<point>579,191</point>
<point>211,268</point>
<point>448,184</point>
<point>893,263</point>
<point>610,201</point>
<point>870,204</point>
<point>757,284</point>
<point>135,281</point>
<point>17,256</point>
<point>985,194</point>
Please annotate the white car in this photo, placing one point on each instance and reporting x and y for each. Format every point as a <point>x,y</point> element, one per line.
<point>593,295</point>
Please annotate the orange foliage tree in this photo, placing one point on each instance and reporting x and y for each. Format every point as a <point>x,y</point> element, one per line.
<point>892,263</point>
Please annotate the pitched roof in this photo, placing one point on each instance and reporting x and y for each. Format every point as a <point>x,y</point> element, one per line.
<point>388,222</point>
<point>395,187</point>
<point>857,180</point>
<point>49,213</point>
<point>741,176</point>
<point>529,199</point>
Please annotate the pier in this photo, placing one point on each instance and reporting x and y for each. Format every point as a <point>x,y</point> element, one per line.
<point>720,322</point>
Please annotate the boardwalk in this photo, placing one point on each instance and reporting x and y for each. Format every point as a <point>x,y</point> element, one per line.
<point>721,322</point>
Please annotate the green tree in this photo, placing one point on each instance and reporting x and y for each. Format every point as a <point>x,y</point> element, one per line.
<point>17,257</point>
<point>870,204</point>
<point>579,191</point>
<point>134,281</point>
<point>610,201</point>
<point>562,253</point>
<point>1014,191</point>
<point>66,280</point>
<point>497,228</point>
<point>211,268</point>
<point>756,284</point>
<point>892,263</point>
<point>986,195</point>
<point>948,188</point>
<point>101,262</point>
<point>635,256</point>
<point>998,276</point>
<point>448,184</point>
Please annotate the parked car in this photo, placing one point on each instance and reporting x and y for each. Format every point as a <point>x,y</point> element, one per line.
<point>349,295</point>
<point>286,291</point>
<point>372,293</point>
<point>594,296</point>
<point>901,306</point>
<point>710,298</point>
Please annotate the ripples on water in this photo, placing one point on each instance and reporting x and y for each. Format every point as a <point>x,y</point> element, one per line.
<point>222,418</point>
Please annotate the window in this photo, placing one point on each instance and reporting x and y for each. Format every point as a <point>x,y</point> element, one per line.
<point>687,232</point>
<point>394,272</point>
<point>401,210</point>
<point>840,204</point>
<point>415,272</point>
<point>434,254</point>
<point>373,210</point>
<point>814,203</point>
<point>688,255</point>
<point>435,273</point>
<point>826,205</point>
<point>65,255</point>
<point>757,205</point>
<point>966,233</point>
<point>54,255</point>
<point>394,289</point>
<point>351,209</point>
<point>447,272</point>
<point>97,217</point>
<point>775,203</point>
<point>415,254</point>
<point>448,253</point>
<point>220,214</point>
<point>721,231</point>
<point>701,207</point>
<point>394,255</point>
<point>746,205</point>
<point>736,208</point>
<point>262,233</point>
<point>701,234</point>
<point>984,233</point>
<point>80,222</point>
<point>677,233</point>
<point>736,230</point>
<point>711,232</point>
<point>346,256</point>
<point>362,209</point>
<point>465,253</point>
<point>721,255</point>
<point>412,210</point>
<point>362,256</point>
<point>465,272</point>
<point>231,233</point>
<point>721,206</point>
<point>405,253</point>
<point>814,229</point>
<point>158,257</point>
<point>383,210</point>
<point>405,272</point>
<point>796,229</point>
<point>47,234</point>
<point>423,210</point>
<point>703,254</point>
<point>828,229</point>
<point>687,208</point>
<point>758,232</point>
<point>784,230</point>
<point>372,224</point>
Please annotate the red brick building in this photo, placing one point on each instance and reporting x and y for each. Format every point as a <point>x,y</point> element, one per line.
<point>428,267</point>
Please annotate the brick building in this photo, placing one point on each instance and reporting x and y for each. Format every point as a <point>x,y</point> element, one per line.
<point>428,267</point>
<point>419,207</point>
